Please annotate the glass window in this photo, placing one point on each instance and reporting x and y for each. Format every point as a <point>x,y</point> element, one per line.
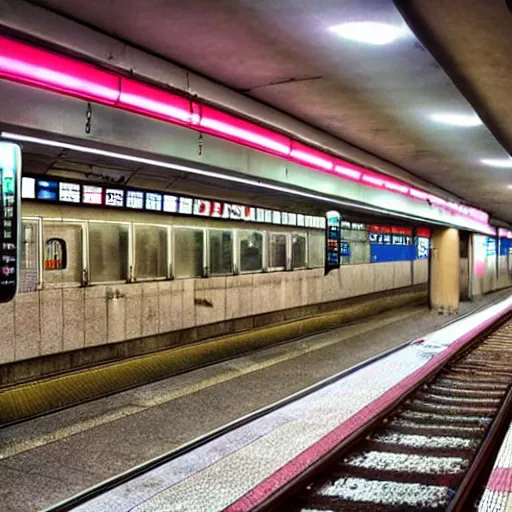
<point>277,250</point>
<point>29,271</point>
<point>55,256</point>
<point>357,247</point>
<point>221,252</point>
<point>316,249</point>
<point>299,250</point>
<point>251,251</point>
<point>150,252</point>
<point>62,262</point>
<point>108,251</point>
<point>188,252</point>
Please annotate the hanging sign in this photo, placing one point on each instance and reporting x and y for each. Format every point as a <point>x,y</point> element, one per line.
<point>333,241</point>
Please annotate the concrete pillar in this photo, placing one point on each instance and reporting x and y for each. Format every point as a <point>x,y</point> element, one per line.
<point>444,278</point>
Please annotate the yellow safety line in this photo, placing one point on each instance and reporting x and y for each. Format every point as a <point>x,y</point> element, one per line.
<point>30,399</point>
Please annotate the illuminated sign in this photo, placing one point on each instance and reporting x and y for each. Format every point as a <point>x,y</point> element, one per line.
<point>332,241</point>
<point>170,204</point>
<point>10,174</point>
<point>28,188</point>
<point>422,248</point>
<point>47,190</point>
<point>153,201</point>
<point>185,206</point>
<point>92,194</point>
<point>202,207</point>
<point>134,199</point>
<point>345,249</point>
<point>114,197</point>
<point>69,192</point>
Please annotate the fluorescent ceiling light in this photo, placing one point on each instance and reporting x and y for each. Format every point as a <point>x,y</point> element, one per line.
<point>497,162</point>
<point>510,186</point>
<point>368,32</point>
<point>457,119</point>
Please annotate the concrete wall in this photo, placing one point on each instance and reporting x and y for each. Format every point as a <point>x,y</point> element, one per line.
<point>50,321</point>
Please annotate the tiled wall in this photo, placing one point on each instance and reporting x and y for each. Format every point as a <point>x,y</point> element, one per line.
<point>56,320</point>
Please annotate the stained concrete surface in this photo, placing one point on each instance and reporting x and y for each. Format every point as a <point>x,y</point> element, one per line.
<point>48,459</point>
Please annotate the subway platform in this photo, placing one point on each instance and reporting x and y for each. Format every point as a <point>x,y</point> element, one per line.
<point>47,460</point>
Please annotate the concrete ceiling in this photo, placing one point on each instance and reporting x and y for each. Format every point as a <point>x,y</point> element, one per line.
<point>375,97</point>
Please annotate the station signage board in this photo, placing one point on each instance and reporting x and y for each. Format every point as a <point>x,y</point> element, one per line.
<point>10,173</point>
<point>53,189</point>
<point>332,241</point>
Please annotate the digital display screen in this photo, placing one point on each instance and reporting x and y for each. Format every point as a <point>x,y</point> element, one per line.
<point>170,204</point>
<point>47,190</point>
<point>10,160</point>
<point>333,241</point>
<point>92,195</point>
<point>186,205</point>
<point>114,197</point>
<point>69,192</point>
<point>153,201</point>
<point>28,188</point>
<point>134,199</point>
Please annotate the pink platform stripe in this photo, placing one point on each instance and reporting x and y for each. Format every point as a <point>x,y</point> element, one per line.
<point>500,480</point>
<point>296,466</point>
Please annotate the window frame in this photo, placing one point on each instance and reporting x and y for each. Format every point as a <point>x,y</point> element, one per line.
<point>306,246</point>
<point>129,263</point>
<point>287,237</point>
<point>263,252</point>
<point>132,275</point>
<point>204,271</point>
<point>311,232</point>
<point>233,253</point>
<point>83,224</point>
<point>38,221</point>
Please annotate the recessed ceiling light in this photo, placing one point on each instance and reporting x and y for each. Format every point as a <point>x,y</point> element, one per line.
<point>457,119</point>
<point>510,186</point>
<point>498,162</point>
<point>368,32</point>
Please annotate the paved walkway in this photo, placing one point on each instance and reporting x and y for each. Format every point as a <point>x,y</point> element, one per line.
<point>238,470</point>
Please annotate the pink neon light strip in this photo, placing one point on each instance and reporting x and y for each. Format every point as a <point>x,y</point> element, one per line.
<point>33,66</point>
<point>240,131</point>
<point>153,102</point>
<point>312,157</point>
<point>347,172</point>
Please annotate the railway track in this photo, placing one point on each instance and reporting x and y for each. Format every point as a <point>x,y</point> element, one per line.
<point>428,453</point>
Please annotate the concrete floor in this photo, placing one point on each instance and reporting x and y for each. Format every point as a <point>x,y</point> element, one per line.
<point>46,460</point>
